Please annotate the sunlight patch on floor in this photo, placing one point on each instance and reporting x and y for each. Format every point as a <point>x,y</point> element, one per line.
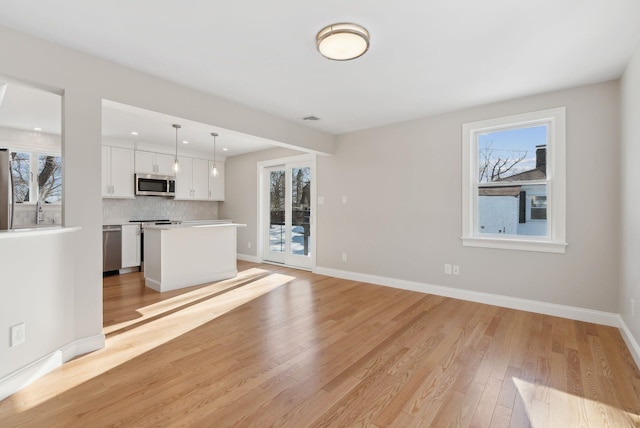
<point>536,399</point>
<point>187,298</point>
<point>131,343</point>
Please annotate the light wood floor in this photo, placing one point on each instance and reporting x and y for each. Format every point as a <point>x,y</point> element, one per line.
<point>287,348</point>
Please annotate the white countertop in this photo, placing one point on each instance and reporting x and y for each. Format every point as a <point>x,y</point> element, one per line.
<point>187,222</point>
<point>36,230</point>
<point>191,225</point>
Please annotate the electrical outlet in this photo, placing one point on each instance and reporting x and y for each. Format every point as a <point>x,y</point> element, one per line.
<point>344,257</point>
<point>456,270</point>
<point>447,269</point>
<point>344,199</point>
<point>248,244</point>
<point>18,334</point>
<point>320,200</point>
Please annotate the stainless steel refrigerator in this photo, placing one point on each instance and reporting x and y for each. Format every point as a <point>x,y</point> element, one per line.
<point>6,191</point>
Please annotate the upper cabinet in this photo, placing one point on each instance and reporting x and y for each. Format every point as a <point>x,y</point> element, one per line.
<point>154,163</point>
<point>117,172</point>
<point>192,180</point>
<point>216,184</point>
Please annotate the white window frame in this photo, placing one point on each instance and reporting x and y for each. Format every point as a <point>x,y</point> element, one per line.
<point>555,240</point>
<point>34,158</point>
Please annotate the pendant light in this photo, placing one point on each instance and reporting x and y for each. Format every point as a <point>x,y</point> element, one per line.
<point>214,168</point>
<point>176,165</point>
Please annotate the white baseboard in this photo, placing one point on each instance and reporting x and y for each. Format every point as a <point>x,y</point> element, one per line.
<point>631,342</point>
<point>570,312</point>
<point>17,380</point>
<point>247,258</point>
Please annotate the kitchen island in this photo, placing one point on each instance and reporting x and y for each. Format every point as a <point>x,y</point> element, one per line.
<point>182,255</point>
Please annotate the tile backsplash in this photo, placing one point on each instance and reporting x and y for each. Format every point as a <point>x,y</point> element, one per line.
<point>115,211</point>
<point>25,214</point>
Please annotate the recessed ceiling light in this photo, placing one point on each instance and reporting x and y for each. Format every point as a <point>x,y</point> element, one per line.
<point>342,41</point>
<point>134,133</point>
<point>224,149</point>
<point>37,129</point>
<point>185,142</point>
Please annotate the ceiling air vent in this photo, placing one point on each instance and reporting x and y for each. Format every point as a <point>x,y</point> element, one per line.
<point>311,118</point>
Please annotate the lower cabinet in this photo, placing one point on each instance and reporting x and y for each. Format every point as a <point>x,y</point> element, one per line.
<point>130,245</point>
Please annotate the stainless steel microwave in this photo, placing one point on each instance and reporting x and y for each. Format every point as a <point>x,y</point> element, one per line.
<point>155,185</point>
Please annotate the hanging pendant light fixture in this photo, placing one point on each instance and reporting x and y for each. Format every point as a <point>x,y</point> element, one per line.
<point>176,165</point>
<point>214,168</point>
<point>343,41</point>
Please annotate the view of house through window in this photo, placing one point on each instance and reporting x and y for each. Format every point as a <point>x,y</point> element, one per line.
<point>512,187</point>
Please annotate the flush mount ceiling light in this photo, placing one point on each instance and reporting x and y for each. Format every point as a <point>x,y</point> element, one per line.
<point>343,41</point>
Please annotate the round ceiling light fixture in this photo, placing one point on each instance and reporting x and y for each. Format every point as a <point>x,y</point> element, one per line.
<point>343,41</point>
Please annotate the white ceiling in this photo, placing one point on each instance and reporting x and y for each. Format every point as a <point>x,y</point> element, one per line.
<point>426,56</point>
<point>120,120</point>
<point>23,107</point>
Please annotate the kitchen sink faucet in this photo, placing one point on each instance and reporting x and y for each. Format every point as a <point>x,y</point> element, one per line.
<point>38,212</point>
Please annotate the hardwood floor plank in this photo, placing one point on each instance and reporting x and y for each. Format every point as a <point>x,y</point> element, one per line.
<point>486,406</point>
<point>288,348</point>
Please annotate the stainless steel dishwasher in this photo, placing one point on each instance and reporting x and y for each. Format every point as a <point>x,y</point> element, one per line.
<point>111,248</point>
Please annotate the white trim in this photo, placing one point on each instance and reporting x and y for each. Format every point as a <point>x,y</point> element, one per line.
<point>632,343</point>
<point>13,382</point>
<point>564,311</point>
<point>261,165</point>
<point>555,241</point>
<point>509,243</point>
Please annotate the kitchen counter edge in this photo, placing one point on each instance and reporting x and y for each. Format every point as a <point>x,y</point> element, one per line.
<point>37,231</point>
<point>191,226</point>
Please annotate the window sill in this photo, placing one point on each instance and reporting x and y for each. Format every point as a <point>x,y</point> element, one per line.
<point>516,243</point>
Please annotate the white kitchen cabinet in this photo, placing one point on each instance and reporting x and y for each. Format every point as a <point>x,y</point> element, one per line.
<point>216,184</point>
<point>154,163</point>
<point>200,179</point>
<point>130,245</point>
<point>117,172</point>
<point>184,178</point>
<point>192,181</point>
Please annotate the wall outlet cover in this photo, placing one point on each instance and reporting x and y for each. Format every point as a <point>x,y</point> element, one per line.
<point>18,334</point>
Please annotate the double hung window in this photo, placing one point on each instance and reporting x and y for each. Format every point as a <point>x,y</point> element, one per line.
<point>514,182</point>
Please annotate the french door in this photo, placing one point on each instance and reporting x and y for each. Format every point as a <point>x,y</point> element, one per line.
<point>287,213</point>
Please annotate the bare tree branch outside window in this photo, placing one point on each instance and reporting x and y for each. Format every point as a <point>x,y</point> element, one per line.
<point>497,164</point>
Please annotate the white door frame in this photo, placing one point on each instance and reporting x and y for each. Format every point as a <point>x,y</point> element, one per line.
<point>263,201</point>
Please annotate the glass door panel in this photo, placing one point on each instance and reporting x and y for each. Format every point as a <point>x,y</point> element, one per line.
<point>300,210</point>
<point>276,211</point>
<point>276,240</point>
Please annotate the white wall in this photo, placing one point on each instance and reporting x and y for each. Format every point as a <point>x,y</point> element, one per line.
<point>630,124</point>
<point>85,81</point>
<point>403,216</point>
<point>38,291</point>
